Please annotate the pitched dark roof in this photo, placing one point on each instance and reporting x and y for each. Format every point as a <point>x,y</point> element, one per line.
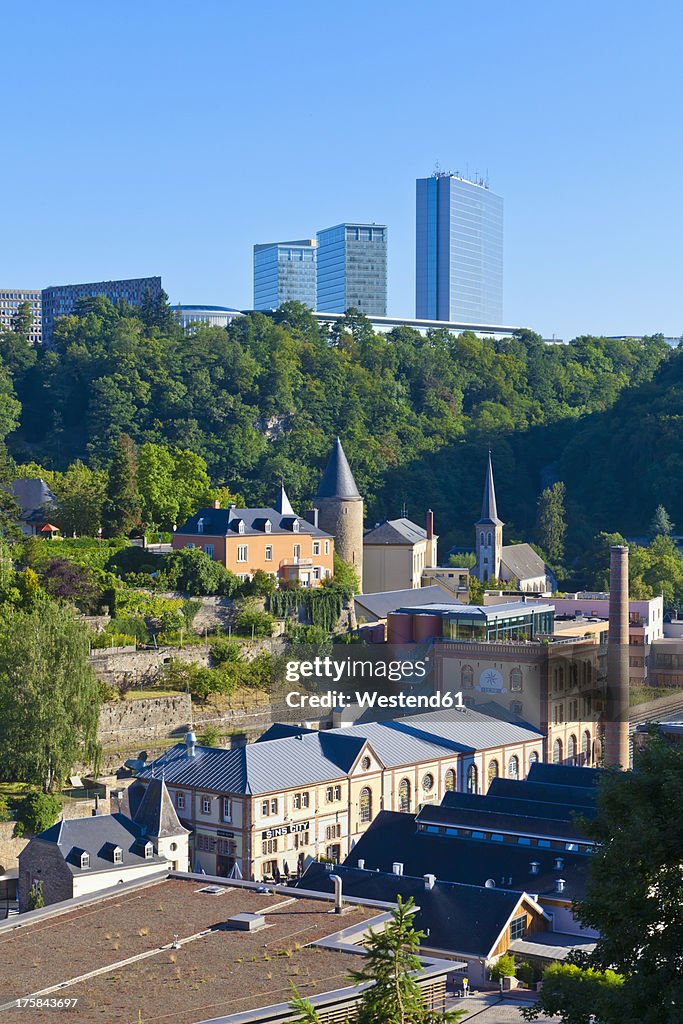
<point>522,561</point>
<point>519,807</point>
<point>402,532</point>
<point>337,480</point>
<point>393,836</point>
<point>224,522</point>
<point>34,498</point>
<point>564,774</point>
<point>546,792</point>
<point>512,822</point>
<point>155,812</point>
<point>99,836</point>
<point>489,509</point>
<point>379,605</point>
<point>278,730</point>
<point>465,919</point>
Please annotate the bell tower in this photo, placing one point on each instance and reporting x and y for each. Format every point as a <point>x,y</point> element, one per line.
<point>488,533</point>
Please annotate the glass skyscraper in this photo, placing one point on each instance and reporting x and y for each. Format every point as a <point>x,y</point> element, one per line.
<point>459,251</point>
<point>284,271</point>
<point>352,269</point>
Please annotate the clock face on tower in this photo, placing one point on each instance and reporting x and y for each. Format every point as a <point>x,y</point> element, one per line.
<point>491,681</point>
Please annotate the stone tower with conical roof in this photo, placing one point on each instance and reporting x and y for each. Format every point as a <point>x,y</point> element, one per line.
<point>488,533</point>
<point>340,509</point>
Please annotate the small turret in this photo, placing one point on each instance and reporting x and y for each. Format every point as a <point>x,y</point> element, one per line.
<point>340,509</point>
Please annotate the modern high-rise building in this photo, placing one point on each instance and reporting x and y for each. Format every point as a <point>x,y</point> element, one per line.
<point>61,299</point>
<point>10,301</point>
<point>459,251</point>
<point>284,271</point>
<point>352,269</point>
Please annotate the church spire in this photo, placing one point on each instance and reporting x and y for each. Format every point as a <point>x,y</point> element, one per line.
<point>489,510</point>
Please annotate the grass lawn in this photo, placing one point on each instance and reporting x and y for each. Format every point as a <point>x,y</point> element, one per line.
<point>146,694</point>
<point>14,791</point>
<point>643,694</point>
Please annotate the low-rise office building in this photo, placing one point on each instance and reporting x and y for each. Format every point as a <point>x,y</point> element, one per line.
<point>11,299</point>
<point>396,553</point>
<point>268,808</point>
<point>60,300</point>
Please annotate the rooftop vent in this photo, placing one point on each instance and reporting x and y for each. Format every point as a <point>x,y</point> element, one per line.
<point>559,884</point>
<point>430,881</point>
<point>490,883</point>
<point>246,922</point>
<point>361,863</point>
<point>213,890</point>
<point>191,743</point>
<point>534,868</point>
<point>559,864</point>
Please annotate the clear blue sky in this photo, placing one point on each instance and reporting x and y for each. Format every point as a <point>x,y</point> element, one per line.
<point>168,137</point>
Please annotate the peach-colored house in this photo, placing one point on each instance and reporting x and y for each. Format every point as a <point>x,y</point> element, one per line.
<point>274,540</point>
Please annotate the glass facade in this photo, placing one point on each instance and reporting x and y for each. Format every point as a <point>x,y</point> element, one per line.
<point>352,269</point>
<point>10,301</point>
<point>515,626</point>
<point>284,271</point>
<point>61,300</point>
<point>459,251</point>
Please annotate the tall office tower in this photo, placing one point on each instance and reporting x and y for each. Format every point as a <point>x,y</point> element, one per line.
<point>284,271</point>
<point>10,301</point>
<point>352,269</point>
<point>459,251</point>
<point>61,299</point>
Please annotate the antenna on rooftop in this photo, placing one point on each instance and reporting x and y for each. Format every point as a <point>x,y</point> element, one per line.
<point>404,511</point>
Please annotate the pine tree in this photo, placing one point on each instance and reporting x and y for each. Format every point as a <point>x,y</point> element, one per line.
<point>550,524</point>
<point>661,525</point>
<point>122,510</point>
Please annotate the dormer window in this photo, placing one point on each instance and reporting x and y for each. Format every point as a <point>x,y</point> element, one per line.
<point>149,851</point>
<point>200,526</point>
<point>118,855</point>
<point>268,526</point>
<point>85,860</point>
<point>295,526</point>
<point>240,526</point>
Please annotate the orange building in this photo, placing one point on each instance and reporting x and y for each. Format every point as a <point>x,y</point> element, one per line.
<point>274,540</point>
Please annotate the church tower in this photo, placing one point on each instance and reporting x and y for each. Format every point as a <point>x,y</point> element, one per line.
<point>488,531</point>
<point>340,509</point>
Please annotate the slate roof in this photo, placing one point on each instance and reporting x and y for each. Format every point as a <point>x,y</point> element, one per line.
<point>337,480</point>
<point>393,836</point>
<point>34,498</point>
<point>155,811</point>
<point>573,796</point>
<point>379,605</point>
<point>395,531</point>
<point>479,816</point>
<point>489,509</point>
<point>224,522</point>
<point>98,835</point>
<point>309,758</point>
<point>564,774</point>
<point>556,812</point>
<point>465,919</point>
<point>522,561</point>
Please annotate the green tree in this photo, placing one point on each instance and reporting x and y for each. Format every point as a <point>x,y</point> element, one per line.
<point>345,576</point>
<point>81,493</point>
<point>210,736</point>
<point>122,509</point>
<point>22,321</point>
<point>504,967</point>
<point>49,695</point>
<point>191,571</point>
<point>634,900</point>
<point>661,525</point>
<point>9,508</point>
<point>37,811</point>
<point>36,900</point>
<point>551,527</point>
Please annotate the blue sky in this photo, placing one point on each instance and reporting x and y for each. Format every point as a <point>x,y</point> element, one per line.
<point>168,137</point>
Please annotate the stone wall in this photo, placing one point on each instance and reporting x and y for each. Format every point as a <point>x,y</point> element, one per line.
<point>10,848</point>
<point>116,666</point>
<point>133,723</point>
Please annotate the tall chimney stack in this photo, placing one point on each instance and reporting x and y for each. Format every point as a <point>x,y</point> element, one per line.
<point>430,559</point>
<point>616,752</point>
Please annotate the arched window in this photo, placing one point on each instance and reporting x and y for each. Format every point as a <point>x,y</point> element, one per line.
<point>404,795</point>
<point>467,677</point>
<point>365,804</point>
<point>586,747</point>
<point>449,780</point>
<point>513,767</point>
<point>572,749</point>
<point>472,779</point>
<point>533,758</point>
<point>516,707</point>
<point>488,538</point>
<point>481,538</point>
<point>516,680</point>
<point>557,752</point>
<point>493,771</point>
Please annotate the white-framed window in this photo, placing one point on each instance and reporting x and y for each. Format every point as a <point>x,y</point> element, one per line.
<point>180,801</point>
<point>85,860</point>
<point>240,526</point>
<point>118,855</point>
<point>316,547</point>
<point>268,526</point>
<point>227,808</point>
<point>518,927</point>
<point>208,550</point>
<point>296,526</point>
<point>149,851</point>
<point>206,805</point>
<point>327,547</point>
<point>200,526</point>
<point>297,550</point>
<point>265,808</point>
<point>269,553</point>
<point>242,552</point>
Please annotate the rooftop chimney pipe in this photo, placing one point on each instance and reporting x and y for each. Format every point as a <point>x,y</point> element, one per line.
<point>616,752</point>
<point>338,902</point>
<point>191,743</point>
<point>430,556</point>
<point>361,863</point>
<point>430,881</point>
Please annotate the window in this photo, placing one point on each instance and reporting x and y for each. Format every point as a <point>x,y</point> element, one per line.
<point>297,550</point>
<point>516,707</point>
<point>240,527</point>
<point>493,772</point>
<point>327,547</point>
<point>118,855</point>
<point>472,779</point>
<point>516,680</point>
<point>513,767</point>
<point>269,552</point>
<point>572,749</point>
<point>316,547</point>
<point>586,747</point>
<point>269,846</point>
<point>365,804</point>
<point>242,552</point>
<point>206,805</point>
<point>85,860</point>
<point>365,763</point>
<point>333,832</point>
<point>557,752</point>
<point>180,801</point>
<point>467,677</point>
<point>404,795</point>
<point>268,526</point>
<point>428,782</point>
<point>149,851</point>
<point>227,809</point>
<point>273,806</point>
<point>518,927</point>
<point>295,526</point>
<point>200,526</point>
<point>449,780</point>
<point>533,757</point>
<point>301,800</point>
<point>265,808</point>
<point>208,550</point>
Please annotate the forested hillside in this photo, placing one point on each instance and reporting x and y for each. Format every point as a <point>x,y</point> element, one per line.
<point>263,401</point>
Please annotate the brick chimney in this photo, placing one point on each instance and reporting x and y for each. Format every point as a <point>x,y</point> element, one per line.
<point>430,558</point>
<point>616,751</point>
